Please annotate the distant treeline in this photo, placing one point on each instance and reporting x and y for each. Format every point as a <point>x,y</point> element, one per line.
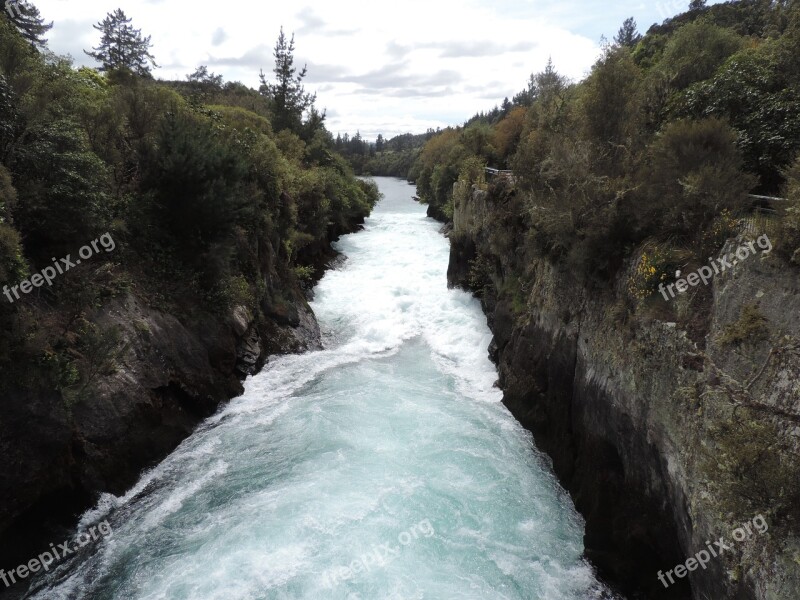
<point>391,158</point>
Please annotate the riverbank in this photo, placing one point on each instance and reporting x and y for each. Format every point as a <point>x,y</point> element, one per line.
<point>657,432</point>
<point>168,370</point>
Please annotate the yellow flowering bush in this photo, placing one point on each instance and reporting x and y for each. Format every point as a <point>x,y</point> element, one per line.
<point>651,269</point>
<point>724,227</point>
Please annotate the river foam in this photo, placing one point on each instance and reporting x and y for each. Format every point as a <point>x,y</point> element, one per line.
<point>318,482</point>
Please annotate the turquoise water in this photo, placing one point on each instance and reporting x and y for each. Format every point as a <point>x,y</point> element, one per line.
<point>383,467</point>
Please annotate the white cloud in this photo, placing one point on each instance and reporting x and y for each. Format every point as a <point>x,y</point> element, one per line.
<point>219,37</point>
<point>380,67</point>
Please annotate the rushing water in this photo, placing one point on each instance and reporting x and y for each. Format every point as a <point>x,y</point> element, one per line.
<point>383,467</point>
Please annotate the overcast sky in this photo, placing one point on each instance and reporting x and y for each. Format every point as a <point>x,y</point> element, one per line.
<point>379,66</point>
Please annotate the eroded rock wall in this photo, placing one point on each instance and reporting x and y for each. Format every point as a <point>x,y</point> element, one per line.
<point>630,409</point>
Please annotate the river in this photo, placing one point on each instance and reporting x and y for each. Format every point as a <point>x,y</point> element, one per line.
<point>384,467</point>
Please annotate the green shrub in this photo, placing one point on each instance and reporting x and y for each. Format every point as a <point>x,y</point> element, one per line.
<point>651,270</point>
<point>479,275</point>
<point>97,355</point>
<point>723,227</point>
<point>696,51</point>
<point>304,274</point>
<point>239,292</point>
<point>693,172</point>
<point>753,92</point>
<point>13,266</point>
<point>242,119</point>
<point>608,103</point>
<point>755,468</point>
<point>63,190</point>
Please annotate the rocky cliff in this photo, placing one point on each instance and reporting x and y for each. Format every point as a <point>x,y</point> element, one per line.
<point>166,371</point>
<point>668,435</point>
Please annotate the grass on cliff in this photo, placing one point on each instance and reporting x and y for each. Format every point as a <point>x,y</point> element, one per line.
<point>755,469</point>
<point>751,327</point>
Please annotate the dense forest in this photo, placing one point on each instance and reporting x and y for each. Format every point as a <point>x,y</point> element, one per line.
<point>198,187</point>
<point>669,131</point>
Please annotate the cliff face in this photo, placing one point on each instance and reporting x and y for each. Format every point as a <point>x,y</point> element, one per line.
<point>644,419</point>
<point>435,212</point>
<point>166,372</point>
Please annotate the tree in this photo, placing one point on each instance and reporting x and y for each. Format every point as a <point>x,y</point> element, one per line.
<point>697,4</point>
<point>287,95</point>
<point>693,171</point>
<point>608,98</point>
<point>62,189</point>
<point>194,183</point>
<point>11,125</point>
<point>204,78</point>
<point>548,83</point>
<point>356,144</point>
<point>202,84</point>
<point>313,124</point>
<point>752,92</point>
<point>26,18</point>
<point>696,51</point>
<point>122,46</point>
<point>379,143</point>
<point>544,82</point>
<point>627,34</point>
<point>506,134</point>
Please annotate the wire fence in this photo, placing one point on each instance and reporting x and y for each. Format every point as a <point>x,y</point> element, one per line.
<point>765,215</point>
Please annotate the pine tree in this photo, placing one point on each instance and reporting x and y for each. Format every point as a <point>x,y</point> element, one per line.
<point>627,34</point>
<point>122,46</point>
<point>287,96</point>
<point>26,18</point>
<point>545,83</point>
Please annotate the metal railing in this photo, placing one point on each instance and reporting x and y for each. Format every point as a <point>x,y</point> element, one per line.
<point>495,172</point>
<point>765,215</point>
<point>769,198</point>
